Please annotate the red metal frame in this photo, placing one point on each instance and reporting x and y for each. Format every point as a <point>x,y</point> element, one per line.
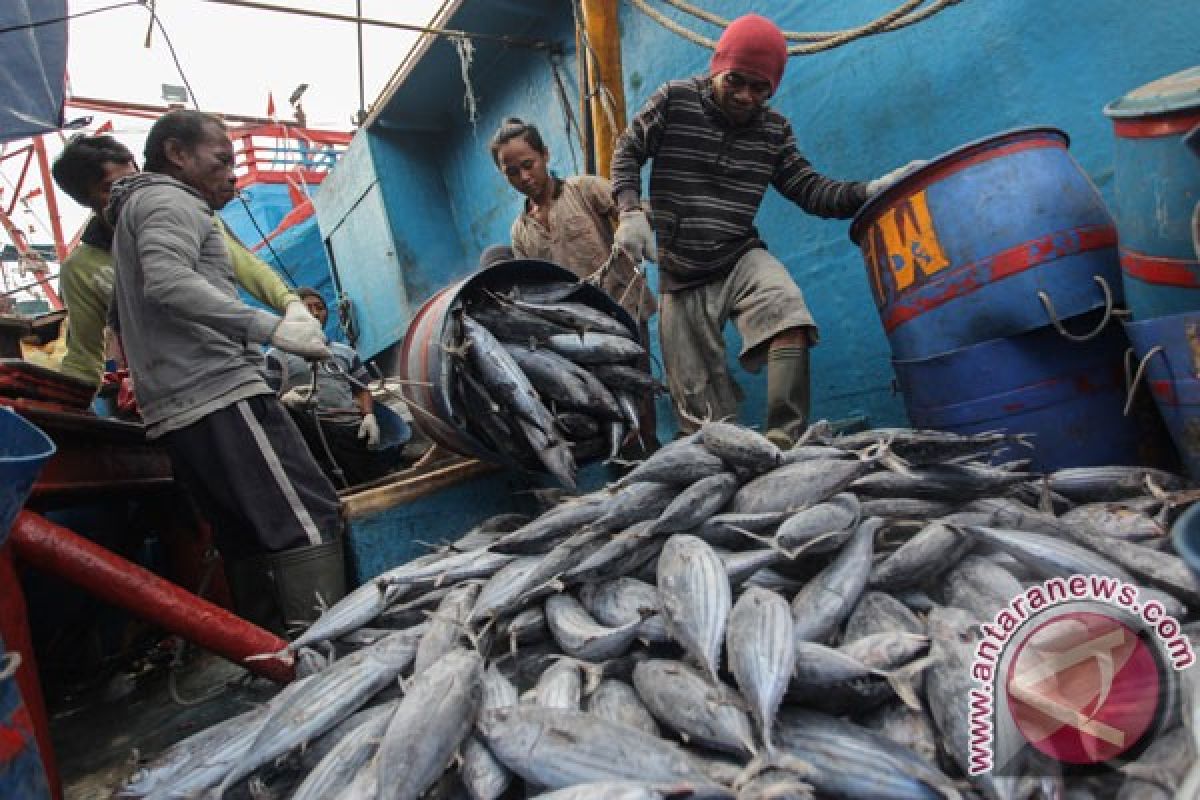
<point>36,149</point>
<point>278,153</point>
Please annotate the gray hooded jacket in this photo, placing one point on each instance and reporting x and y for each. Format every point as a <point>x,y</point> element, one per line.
<point>192,344</point>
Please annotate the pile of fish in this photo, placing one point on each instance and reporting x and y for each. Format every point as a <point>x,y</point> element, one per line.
<point>728,620</point>
<point>541,375</point>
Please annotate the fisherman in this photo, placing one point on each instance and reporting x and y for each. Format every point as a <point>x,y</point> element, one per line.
<point>194,351</point>
<point>571,222</point>
<point>86,170</point>
<point>342,405</point>
<point>716,146</point>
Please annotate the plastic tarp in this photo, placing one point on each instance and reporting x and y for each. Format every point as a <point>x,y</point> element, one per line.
<point>33,67</point>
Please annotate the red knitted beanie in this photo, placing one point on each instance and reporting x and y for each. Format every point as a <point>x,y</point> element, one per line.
<point>754,45</point>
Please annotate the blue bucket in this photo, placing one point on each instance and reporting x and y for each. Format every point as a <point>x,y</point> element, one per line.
<point>1069,395</point>
<point>1157,189</point>
<point>958,251</point>
<point>23,451</point>
<point>1173,375</point>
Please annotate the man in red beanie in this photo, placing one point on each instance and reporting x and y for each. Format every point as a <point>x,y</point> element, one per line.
<point>716,146</point>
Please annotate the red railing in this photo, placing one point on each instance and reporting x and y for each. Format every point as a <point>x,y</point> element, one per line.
<point>278,153</point>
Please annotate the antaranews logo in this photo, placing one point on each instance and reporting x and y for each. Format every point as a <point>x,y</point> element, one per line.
<point>1080,669</point>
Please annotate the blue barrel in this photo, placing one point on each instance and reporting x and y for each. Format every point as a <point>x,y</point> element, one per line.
<point>958,251</point>
<point>23,451</point>
<point>1170,347</point>
<point>1157,188</point>
<point>1069,395</point>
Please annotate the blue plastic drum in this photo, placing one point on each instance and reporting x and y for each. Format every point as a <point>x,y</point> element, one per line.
<point>964,250</point>
<point>1158,187</point>
<point>1169,348</point>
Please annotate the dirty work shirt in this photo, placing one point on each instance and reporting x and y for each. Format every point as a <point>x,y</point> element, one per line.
<point>709,177</point>
<point>86,280</point>
<point>762,300</point>
<point>334,393</point>
<point>579,237</point>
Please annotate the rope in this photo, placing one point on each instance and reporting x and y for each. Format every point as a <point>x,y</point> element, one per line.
<point>901,17</point>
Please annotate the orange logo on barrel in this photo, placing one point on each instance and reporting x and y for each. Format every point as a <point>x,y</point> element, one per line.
<point>898,244</point>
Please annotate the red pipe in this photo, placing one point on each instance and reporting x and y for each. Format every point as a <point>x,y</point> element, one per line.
<point>14,629</point>
<point>59,551</point>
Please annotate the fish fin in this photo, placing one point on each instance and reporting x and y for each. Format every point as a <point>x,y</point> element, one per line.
<point>902,681</point>
<point>285,655</point>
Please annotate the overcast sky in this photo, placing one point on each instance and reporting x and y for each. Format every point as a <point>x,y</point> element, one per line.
<point>232,58</point>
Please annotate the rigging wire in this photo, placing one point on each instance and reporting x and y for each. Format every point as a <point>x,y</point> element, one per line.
<point>51,21</point>
<point>263,237</point>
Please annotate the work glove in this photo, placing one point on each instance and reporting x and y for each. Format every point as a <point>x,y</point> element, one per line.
<point>879,184</point>
<point>635,236</point>
<point>297,398</point>
<point>298,332</point>
<point>369,429</point>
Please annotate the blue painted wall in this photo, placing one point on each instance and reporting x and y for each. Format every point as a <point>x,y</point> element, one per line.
<point>859,111</point>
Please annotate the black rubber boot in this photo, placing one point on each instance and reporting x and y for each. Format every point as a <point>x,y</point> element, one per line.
<point>250,583</point>
<point>787,394</point>
<point>305,579</point>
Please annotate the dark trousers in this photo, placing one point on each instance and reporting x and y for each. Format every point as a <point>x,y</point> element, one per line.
<point>251,472</point>
<point>357,463</point>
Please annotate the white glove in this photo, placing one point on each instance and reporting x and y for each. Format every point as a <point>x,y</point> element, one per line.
<point>300,333</point>
<point>879,184</point>
<point>369,429</point>
<point>635,236</point>
<point>298,397</point>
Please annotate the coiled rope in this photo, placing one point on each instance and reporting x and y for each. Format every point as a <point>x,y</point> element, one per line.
<point>904,15</point>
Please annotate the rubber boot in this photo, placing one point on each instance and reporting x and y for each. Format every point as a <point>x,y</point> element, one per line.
<point>307,579</point>
<point>249,582</point>
<point>787,394</point>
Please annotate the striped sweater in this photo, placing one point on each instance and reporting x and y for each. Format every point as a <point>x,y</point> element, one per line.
<point>709,178</point>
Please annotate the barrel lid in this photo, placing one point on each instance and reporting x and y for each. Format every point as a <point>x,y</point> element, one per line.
<point>1178,92</point>
<point>935,168</point>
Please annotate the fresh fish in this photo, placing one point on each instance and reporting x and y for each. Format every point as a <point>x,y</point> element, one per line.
<point>577,426</point>
<point>577,317</point>
<point>632,790</point>
<point>622,378</point>
<point>560,686</point>
<point>697,503</point>
<point>1051,557</point>
<point>429,725</point>
<point>446,626</point>
<point>595,348</point>
<point>905,508</point>
<point>825,601</point>
<point>911,729</point>
<point>1100,484</point>
<point>760,642</point>
<point>1160,570</point>
<point>738,530</point>
<point>525,627</point>
<point>326,699</point>
<point>980,586</point>
<point>515,325</point>
<point>484,777</point>
<point>927,447</point>
<point>622,554</point>
<point>528,577</point>
<point>556,749</point>
<point>740,447</point>
<point>564,385</point>
<point>739,566</point>
<point>540,534</point>
<point>810,452</point>
<point>617,701</point>
<point>830,680</point>
<point>947,483</point>
<point>677,465</point>
<point>813,528</point>
<point>634,503</point>
<point>848,761</point>
<point>581,636</point>
<point>887,650</point>
<point>936,548</point>
<point>351,754</point>
<point>798,486</point>
<point>1116,520</point>
<point>774,783</point>
<point>700,711</point>
<point>696,598</point>
<point>621,601</point>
